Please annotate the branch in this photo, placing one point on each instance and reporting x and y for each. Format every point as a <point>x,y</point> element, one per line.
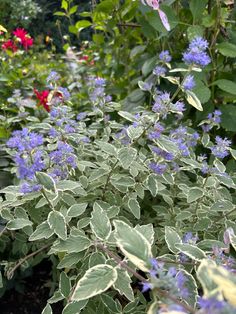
<point>21,261</point>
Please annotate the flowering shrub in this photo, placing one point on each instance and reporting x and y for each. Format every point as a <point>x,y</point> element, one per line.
<point>135,218</point>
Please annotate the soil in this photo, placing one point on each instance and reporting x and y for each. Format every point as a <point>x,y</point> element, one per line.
<point>35,295</point>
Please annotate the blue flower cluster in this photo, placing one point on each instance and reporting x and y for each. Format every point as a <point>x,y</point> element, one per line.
<point>222,147</point>
<point>172,279</point>
<point>196,53</point>
<point>184,139</point>
<point>61,160</point>
<point>97,93</point>
<point>28,157</point>
<point>213,119</point>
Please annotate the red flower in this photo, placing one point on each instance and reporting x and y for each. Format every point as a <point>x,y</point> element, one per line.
<point>25,40</point>
<point>9,45</point>
<point>20,33</point>
<point>43,98</point>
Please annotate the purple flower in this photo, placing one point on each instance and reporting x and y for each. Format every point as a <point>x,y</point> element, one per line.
<point>65,93</point>
<point>181,281</point>
<point>81,116</point>
<point>157,168</point>
<point>211,306</point>
<point>28,188</point>
<point>221,149</point>
<point>52,77</point>
<point>196,53</point>
<point>165,56</point>
<point>146,286</point>
<point>162,153</point>
<point>159,71</point>
<point>189,82</point>
<point>61,159</point>
<point>99,81</point>
<point>161,105</point>
<point>179,107</point>
<point>190,238</point>
<point>25,140</point>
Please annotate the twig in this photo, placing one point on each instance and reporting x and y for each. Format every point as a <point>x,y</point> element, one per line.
<point>128,24</point>
<point>21,261</point>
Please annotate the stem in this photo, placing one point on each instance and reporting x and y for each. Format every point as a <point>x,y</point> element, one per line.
<point>108,178</point>
<point>48,200</point>
<point>161,292</point>
<point>21,261</point>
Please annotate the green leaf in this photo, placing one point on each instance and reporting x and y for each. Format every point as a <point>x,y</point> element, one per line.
<point>228,117</point>
<point>47,309</point>
<point>74,307</point>
<point>122,284</point>
<point>126,156</point>
<point>127,115</point>
<point>47,182</point>
<point>193,100</point>
<point>64,284</point>
<point>133,245</point>
<point>147,231</point>
<point>18,223</point>
<point>149,65</point>
<point>192,251</point>
<point>64,5</point>
<point>97,174</point>
<point>194,194</point>
<point>72,244</point>
<point>100,223</point>
<point>137,50</point>
<point>226,85</point>
<point>172,238</point>
<point>107,148</point>
<point>134,132</point>
<point>222,206</point>
<point>57,223</point>
<point>227,49</point>
<point>82,24</point>
<point>96,258</point>
<point>58,13</point>
<point>70,259</point>
<point>95,281</point>
<point>73,9</point>
<point>77,209</point>
<point>134,207</point>
<point>42,231</point>
<point>197,7</point>
<point>110,304</point>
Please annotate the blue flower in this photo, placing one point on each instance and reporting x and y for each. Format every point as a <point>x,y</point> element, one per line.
<point>52,77</point>
<point>211,305</point>
<point>221,149</point>
<point>165,56</point>
<point>159,71</point>
<point>161,105</point>
<point>196,53</point>
<point>146,286</point>
<point>189,82</point>
<point>157,168</point>
<point>25,140</point>
<point>65,93</point>
<point>29,188</point>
